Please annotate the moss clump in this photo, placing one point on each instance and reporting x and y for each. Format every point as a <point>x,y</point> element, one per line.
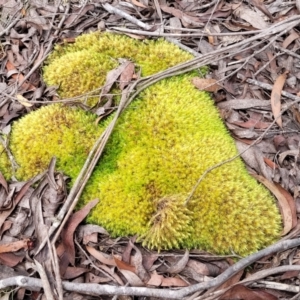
<point>161,145</point>
<point>82,67</point>
<point>5,165</point>
<point>56,130</point>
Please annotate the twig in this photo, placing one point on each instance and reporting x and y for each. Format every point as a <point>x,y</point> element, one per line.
<point>55,265</point>
<point>44,280</point>
<point>276,286</point>
<point>268,87</point>
<point>11,25</point>
<point>114,10</point>
<point>97,289</point>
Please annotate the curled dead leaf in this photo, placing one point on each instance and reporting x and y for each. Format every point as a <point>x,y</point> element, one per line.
<point>276,97</point>
<point>285,209</point>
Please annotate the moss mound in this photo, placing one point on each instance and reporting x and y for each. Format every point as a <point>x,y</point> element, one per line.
<point>55,130</point>
<point>5,165</point>
<point>161,145</point>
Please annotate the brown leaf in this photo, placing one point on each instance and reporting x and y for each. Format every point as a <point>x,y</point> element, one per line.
<point>17,199</point>
<point>185,18</point>
<point>102,257</point>
<point>270,163</point>
<point>251,123</point>
<point>70,227</point>
<point>254,158</point>
<point>92,278</point>
<point>288,40</point>
<point>137,261</point>
<point>126,75</point>
<point>19,77</point>
<point>155,279</point>
<point>132,278</point>
<point>232,280</point>
<point>88,232</point>
<point>201,268</point>
<point>261,6</point>
<point>112,76</point>
<point>124,266</point>
<point>244,293</point>
<point>73,272</point>
<point>180,265</point>
<point>208,85</point>
<point>284,206</point>
<point>148,260</point>
<point>276,97</point>
<point>252,17</point>
<point>14,246</point>
<point>10,259</point>
<point>174,281</point>
<point>3,182</point>
<point>77,14</point>
<point>137,3</point>
<point>127,252</point>
<point>291,203</point>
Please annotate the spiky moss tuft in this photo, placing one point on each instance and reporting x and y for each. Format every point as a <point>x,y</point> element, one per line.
<point>81,67</point>
<point>170,226</point>
<point>166,139</point>
<point>68,133</point>
<point>5,165</point>
<point>161,145</point>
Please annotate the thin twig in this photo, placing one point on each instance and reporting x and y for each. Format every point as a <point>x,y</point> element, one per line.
<point>97,289</point>
<point>114,10</point>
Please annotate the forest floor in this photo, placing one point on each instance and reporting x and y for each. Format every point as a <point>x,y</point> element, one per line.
<point>252,49</point>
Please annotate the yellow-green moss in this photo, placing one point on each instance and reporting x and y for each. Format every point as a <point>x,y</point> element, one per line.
<point>54,130</point>
<point>161,145</point>
<point>5,165</point>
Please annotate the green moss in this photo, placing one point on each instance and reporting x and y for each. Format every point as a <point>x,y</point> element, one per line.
<point>55,130</point>
<point>5,165</point>
<point>81,67</point>
<point>161,145</point>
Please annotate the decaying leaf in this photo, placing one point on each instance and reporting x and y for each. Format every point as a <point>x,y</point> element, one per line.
<point>208,85</point>
<point>180,265</point>
<point>276,97</point>
<point>243,292</point>
<point>102,257</point>
<point>15,246</point>
<point>70,227</point>
<point>285,209</point>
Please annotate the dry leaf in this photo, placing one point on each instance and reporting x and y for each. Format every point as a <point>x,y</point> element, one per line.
<point>276,97</point>
<point>124,266</point>
<point>126,75</point>
<point>73,272</point>
<point>70,227</point>
<point>291,203</point>
<point>23,101</point>
<point>174,281</point>
<point>102,257</point>
<point>286,212</point>
<point>241,292</point>
<point>155,279</point>
<point>92,278</point>
<point>26,86</point>
<point>208,85</point>
<point>132,278</point>
<point>15,246</point>
<point>180,265</point>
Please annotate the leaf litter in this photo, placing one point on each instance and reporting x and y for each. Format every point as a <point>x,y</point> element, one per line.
<point>256,87</point>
